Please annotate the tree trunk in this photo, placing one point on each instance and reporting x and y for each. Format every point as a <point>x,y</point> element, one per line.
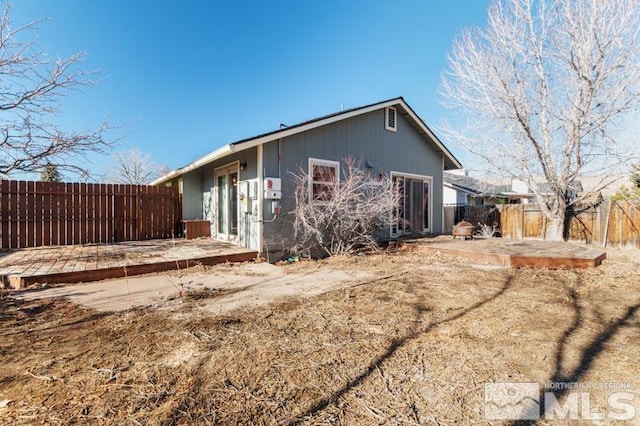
<point>557,216</point>
<point>556,228</point>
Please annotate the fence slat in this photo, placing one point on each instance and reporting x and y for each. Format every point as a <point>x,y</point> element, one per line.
<point>91,208</point>
<point>68,213</point>
<point>109,212</point>
<point>4,208</point>
<point>31,213</point>
<point>21,213</point>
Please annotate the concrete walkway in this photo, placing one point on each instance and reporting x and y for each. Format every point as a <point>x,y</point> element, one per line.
<point>224,288</point>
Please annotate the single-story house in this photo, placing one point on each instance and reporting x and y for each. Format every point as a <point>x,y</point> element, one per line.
<point>460,189</point>
<point>245,189</point>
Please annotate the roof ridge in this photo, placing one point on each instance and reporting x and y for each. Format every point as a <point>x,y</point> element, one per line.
<point>313,120</point>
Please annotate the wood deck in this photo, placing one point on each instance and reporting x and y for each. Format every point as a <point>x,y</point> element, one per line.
<point>94,262</point>
<point>518,253</point>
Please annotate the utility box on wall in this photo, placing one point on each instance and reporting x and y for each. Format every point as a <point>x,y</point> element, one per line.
<point>273,184</point>
<point>272,195</point>
<point>272,188</point>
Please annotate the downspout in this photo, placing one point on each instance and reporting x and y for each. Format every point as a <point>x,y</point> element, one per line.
<point>442,199</point>
<point>260,198</point>
<point>279,174</point>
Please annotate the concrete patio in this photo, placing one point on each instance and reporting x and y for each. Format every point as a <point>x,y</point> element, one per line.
<point>92,262</point>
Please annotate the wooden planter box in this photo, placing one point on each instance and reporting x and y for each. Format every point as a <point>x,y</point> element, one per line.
<point>196,229</point>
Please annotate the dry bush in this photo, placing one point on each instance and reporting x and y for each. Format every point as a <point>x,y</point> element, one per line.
<point>343,218</point>
<point>487,231</point>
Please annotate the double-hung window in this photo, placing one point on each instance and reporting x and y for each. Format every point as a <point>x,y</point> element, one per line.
<point>323,179</point>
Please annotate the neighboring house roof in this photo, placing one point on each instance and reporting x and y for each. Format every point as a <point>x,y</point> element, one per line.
<point>606,185</point>
<point>450,161</point>
<point>499,188</point>
<point>545,188</point>
<point>471,185</point>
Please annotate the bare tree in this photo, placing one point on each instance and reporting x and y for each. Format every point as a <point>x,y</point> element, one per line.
<point>542,91</point>
<point>163,170</point>
<point>32,86</point>
<point>344,217</point>
<point>132,167</point>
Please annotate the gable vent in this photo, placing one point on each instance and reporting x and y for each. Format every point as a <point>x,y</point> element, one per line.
<point>390,119</point>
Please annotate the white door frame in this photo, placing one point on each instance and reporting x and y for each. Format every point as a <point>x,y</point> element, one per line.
<point>424,179</point>
<point>226,170</point>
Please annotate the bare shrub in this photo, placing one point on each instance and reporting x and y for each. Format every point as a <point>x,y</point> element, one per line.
<point>486,230</point>
<point>342,218</point>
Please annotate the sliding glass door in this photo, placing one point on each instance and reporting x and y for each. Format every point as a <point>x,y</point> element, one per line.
<point>413,213</point>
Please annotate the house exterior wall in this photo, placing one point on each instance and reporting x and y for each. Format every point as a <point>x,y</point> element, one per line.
<point>363,138</point>
<point>519,186</point>
<point>451,196</point>
<point>192,195</point>
<point>198,196</point>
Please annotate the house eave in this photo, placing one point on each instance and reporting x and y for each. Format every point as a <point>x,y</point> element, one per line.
<point>209,158</point>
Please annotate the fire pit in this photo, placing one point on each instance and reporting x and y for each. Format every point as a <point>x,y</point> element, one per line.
<point>463,229</point>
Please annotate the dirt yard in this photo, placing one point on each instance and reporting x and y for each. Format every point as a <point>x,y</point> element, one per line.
<point>414,345</point>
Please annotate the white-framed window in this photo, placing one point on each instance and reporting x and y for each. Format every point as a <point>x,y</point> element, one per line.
<point>323,179</point>
<point>390,119</point>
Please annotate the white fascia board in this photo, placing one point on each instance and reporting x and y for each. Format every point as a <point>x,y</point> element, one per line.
<point>459,188</point>
<point>215,155</point>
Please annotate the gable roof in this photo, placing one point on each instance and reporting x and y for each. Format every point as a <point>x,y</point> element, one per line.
<point>450,161</point>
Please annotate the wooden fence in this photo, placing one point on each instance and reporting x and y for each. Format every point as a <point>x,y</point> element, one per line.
<point>49,213</point>
<point>488,215</point>
<point>614,223</point>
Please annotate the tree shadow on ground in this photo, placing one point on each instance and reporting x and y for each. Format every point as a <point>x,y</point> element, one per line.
<point>591,351</point>
<point>392,348</point>
<point>15,313</point>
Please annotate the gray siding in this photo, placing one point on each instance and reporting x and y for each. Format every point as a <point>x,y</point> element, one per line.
<point>364,138</point>
<point>198,184</point>
<point>198,193</point>
<point>192,195</point>
<point>207,206</point>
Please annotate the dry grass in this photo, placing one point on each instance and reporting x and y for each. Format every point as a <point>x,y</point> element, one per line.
<point>412,347</point>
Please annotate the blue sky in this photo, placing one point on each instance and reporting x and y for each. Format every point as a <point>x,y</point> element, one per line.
<point>195,75</point>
